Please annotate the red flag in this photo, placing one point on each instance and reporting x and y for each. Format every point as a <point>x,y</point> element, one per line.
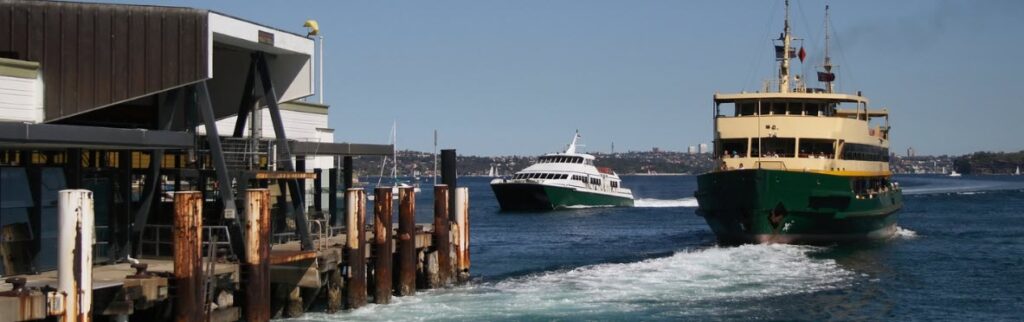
<point>802,54</point>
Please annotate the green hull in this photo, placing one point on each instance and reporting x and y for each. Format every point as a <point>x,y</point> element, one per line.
<point>775,206</point>
<point>533,196</point>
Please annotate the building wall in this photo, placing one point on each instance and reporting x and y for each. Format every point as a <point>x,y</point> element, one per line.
<point>95,55</point>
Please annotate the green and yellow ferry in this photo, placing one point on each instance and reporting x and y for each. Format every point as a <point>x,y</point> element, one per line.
<point>798,164</point>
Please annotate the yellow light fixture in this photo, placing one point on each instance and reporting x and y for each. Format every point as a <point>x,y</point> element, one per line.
<point>314,28</point>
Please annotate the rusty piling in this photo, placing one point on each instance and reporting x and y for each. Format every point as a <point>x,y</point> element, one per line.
<point>188,271</point>
<point>406,242</point>
<point>355,215</point>
<point>257,255</point>
<point>382,211</point>
<point>442,236</point>
<point>76,220</point>
<point>462,233</point>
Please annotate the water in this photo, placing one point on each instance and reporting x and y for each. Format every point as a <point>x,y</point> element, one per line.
<point>959,255</point>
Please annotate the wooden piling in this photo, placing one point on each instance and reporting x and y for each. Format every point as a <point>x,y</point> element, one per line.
<point>257,255</point>
<point>442,236</point>
<point>462,239</point>
<point>355,215</point>
<point>188,271</point>
<point>382,209</point>
<point>406,242</point>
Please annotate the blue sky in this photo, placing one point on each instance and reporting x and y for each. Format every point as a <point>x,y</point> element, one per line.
<point>518,77</point>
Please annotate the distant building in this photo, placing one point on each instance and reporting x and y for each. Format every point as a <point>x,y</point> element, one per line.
<point>655,150</point>
<point>911,153</point>
<point>704,148</point>
<point>691,149</point>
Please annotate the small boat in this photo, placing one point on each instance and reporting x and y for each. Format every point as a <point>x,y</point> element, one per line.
<point>954,174</point>
<point>395,184</point>
<point>492,173</point>
<point>1017,173</point>
<point>562,180</point>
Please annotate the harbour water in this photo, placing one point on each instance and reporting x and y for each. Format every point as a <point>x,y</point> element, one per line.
<point>959,256</point>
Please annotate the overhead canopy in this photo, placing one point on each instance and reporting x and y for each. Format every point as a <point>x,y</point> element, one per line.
<point>340,149</point>
<point>16,134</point>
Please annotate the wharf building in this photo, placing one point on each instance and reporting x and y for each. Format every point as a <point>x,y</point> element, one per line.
<point>139,103</point>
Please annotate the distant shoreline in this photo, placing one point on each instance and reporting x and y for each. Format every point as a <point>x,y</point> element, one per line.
<point>657,174</point>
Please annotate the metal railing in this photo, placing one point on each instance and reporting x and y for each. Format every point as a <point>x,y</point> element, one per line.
<point>160,236</point>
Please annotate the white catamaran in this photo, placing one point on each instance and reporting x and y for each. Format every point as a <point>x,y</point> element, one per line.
<point>562,180</point>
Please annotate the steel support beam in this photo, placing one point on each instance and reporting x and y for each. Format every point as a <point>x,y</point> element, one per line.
<point>284,149</point>
<point>219,165</point>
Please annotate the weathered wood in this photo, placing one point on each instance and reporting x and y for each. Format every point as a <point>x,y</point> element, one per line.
<point>462,240</point>
<point>355,215</point>
<point>382,211</point>
<point>406,242</point>
<point>188,272</point>
<point>257,256</point>
<point>442,237</point>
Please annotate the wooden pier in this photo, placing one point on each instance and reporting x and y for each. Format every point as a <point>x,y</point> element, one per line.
<point>279,280</point>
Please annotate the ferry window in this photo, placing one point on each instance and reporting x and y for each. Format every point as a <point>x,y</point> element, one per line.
<point>795,109</point>
<point>776,147</point>
<point>817,148</point>
<point>565,176</point>
<point>813,109</point>
<point>747,108</point>
<point>778,108</point>
<point>734,148</point>
<point>864,152</point>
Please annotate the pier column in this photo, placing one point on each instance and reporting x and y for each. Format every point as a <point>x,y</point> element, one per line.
<point>257,255</point>
<point>406,242</point>
<point>462,235</point>
<point>442,236</point>
<point>188,256</point>
<point>355,222</point>
<point>74,271</point>
<point>382,209</point>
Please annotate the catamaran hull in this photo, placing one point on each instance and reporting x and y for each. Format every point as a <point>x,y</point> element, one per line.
<point>528,196</point>
<point>774,206</point>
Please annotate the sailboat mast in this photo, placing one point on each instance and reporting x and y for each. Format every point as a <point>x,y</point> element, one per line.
<point>394,152</point>
<point>435,157</point>
<point>787,41</point>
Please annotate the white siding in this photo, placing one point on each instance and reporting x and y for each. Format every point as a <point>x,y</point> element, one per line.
<point>21,99</point>
<point>299,126</point>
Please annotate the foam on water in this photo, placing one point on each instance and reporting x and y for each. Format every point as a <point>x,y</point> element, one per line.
<point>958,186</point>
<point>665,203</point>
<point>697,280</point>
<point>905,233</point>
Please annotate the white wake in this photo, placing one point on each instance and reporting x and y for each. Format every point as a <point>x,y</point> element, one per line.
<point>665,203</point>
<point>696,281</point>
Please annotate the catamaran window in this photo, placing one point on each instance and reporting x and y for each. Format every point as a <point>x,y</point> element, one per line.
<point>614,184</point>
<point>817,148</point>
<point>770,147</point>
<point>565,176</point>
<point>865,152</point>
<point>733,148</point>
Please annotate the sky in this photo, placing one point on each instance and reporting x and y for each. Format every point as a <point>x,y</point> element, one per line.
<point>519,77</point>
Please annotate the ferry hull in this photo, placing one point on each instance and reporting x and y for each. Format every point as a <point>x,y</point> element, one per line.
<point>775,206</point>
<point>532,196</point>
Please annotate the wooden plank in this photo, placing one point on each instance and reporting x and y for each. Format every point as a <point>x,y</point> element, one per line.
<point>5,24</point>
<point>102,63</point>
<point>36,38</point>
<point>169,62</point>
<point>136,52</point>
<point>273,175</point>
<point>68,55</point>
<point>18,32</point>
<point>51,63</point>
<point>189,47</point>
<point>154,50</point>
<point>119,55</point>
<point>279,257</point>
<point>86,51</point>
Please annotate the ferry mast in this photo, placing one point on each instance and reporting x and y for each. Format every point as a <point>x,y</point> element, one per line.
<point>787,40</point>
<point>829,77</point>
